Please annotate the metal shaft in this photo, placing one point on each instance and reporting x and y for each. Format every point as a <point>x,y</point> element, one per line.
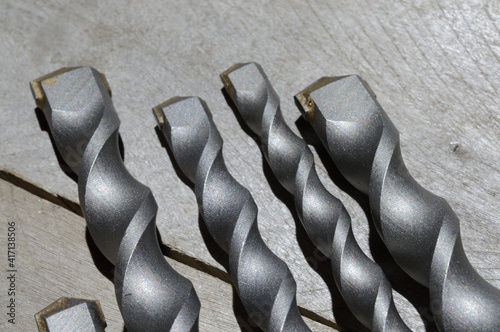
<point>420,229</point>
<point>263,281</point>
<point>120,211</point>
<point>361,282</point>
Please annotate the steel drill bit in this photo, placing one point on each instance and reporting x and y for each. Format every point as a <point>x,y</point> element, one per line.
<point>120,211</point>
<point>263,281</point>
<point>420,229</point>
<point>361,282</point>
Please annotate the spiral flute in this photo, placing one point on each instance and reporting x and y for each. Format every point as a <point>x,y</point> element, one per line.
<point>263,281</point>
<point>120,211</point>
<point>420,229</point>
<point>361,282</point>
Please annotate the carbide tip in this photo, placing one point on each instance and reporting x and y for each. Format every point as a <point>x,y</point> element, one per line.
<point>51,78</point>
<point>228,85</point>
<point>105,81</point>
<point>158,111</point>
<point>305,100</point>
<point>36,85</point>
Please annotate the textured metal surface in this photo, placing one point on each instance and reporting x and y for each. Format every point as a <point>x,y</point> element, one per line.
<point>120,211</point>
<point>361,282</point>
<point>264,282</point>
<point>68,314</point>
<point>420,229</point>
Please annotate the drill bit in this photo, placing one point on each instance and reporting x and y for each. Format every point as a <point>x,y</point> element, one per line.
<point>419,228</point>
<point>263,281</point>
<point>361,282</point>
<point>120,211</point>
<point>68,314</point>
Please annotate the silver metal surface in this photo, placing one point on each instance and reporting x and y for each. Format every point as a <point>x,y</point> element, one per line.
<point>361,282</point>
<point>263,281</point>
<point>68,314</point>
<point>420,229</point>
<point>120,211</point>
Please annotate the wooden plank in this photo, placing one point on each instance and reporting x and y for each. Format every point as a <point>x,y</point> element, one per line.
<point>433,66</point>
<point>53,260</point>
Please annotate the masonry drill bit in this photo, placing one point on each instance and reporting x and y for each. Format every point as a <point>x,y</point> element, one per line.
<point>361,282</point>
<point>120,211</point>
<point>420,229</point>
<point>263,281</point>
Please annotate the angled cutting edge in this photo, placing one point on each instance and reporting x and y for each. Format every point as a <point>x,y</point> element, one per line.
<point>263,281</point>
<point>120,211</point>
<point>420,229</point>
<point>361,282</point>
<point>70,314</point>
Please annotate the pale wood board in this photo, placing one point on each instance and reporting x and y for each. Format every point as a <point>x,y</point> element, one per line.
<point>433,65</point>
<point>53,260</point>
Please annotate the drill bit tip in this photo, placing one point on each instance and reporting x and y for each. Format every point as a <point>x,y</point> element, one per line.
<point>37,87</point>
<point>227,81</point>
<point>226,77</point>
<point>241,81</point>
<point>184,109</point>
<point>236,76</point>
<point>307,102</point>
<point>49,79</point>
<point>67,313</point>
<point>158,111</point>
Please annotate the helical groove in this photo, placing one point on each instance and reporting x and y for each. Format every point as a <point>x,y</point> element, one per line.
<point>120,211</point>
<point>420,229</point>
<point>361,282</point>
<point>263,281</point>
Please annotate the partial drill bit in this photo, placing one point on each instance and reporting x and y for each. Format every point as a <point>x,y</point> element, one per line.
<point>361,282</point>
<point>68,314</point>
<point>263,281</point>
<point>120,211</point>
<point>420,229</point>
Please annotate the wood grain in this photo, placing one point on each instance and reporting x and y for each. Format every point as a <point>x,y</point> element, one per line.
<point>53,260</point>
<point>433,65</point>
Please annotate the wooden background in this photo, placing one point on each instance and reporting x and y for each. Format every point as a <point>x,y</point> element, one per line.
<point>433,65</point>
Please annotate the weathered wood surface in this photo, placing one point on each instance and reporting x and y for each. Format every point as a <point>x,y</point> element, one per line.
<point>45,233</point>
<point>433,65</point>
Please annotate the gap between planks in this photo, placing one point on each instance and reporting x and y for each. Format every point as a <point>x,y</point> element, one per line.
<point>18,181</point>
